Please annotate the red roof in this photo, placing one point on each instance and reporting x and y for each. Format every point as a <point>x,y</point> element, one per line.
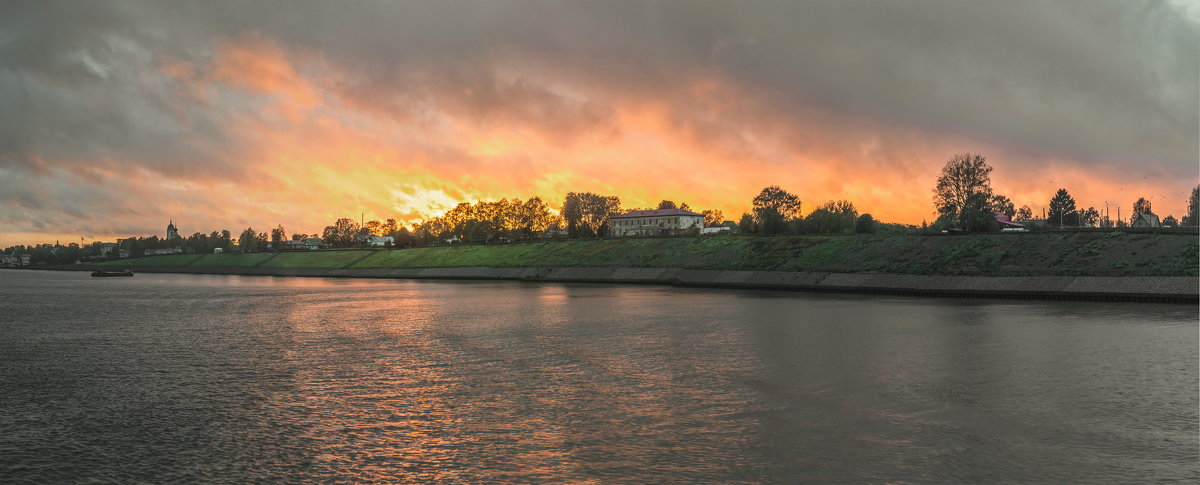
<point>1006,221</point>
<point>657,213</point>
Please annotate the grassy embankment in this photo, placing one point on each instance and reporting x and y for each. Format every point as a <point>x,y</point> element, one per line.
<point>1061,254</point>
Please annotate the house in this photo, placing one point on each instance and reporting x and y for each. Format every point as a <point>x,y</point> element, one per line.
<point>1004,223</point>
<point>294,245</point>
<point>1145,220</point>
<point>379,241</point>
<point>14,260</point>
<point>714,230</point>
<point>106,248</point>
<point>313,243</point>
<point>654,222</point>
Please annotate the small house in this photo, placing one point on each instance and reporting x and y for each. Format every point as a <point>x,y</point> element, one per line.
<point>1003,222</point>
<point>1145,220</point>
<point>379,241</point>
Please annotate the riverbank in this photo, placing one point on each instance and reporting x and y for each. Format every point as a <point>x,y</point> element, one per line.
<point>1172,289</point>
<point>1114,266</point>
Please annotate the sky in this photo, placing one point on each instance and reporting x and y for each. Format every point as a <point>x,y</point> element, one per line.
<point>118,116</point>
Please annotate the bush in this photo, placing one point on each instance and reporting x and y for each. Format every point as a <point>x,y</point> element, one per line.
<point>865,224</point>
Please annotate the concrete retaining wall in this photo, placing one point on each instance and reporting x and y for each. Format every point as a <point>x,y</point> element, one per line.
<point>1182,289</point>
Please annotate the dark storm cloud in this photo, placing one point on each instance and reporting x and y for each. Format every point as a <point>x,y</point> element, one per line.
<point>1111,84</point>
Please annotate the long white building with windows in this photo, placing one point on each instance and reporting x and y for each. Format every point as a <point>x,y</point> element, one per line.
<point>656,222</point>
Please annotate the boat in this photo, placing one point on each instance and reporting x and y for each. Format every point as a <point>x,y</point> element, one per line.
<point>102,273</point>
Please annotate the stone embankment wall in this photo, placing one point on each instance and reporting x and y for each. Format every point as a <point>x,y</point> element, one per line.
<point>1180,289</point>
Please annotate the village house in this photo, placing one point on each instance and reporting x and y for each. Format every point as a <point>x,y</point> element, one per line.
<point>313,243</point>
<point>656,222</point>
<point>1004,223</point>
<point>1145,220</point>
<point>378,241</point>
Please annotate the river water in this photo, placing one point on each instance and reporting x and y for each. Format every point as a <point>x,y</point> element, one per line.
<point>203,378</point>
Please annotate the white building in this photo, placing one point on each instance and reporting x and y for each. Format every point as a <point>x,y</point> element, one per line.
<point>379,241</point>
<point>656,222</point>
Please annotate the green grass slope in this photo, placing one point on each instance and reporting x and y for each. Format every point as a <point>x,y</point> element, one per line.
<point>1030,254</point>
<point>315,259</point>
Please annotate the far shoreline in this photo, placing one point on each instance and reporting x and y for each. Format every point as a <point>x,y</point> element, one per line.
<point>1145,289</point>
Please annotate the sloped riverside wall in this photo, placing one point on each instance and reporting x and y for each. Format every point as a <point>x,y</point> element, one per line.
<point>1180,289</point>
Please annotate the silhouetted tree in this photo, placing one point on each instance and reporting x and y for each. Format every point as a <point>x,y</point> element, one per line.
<point>831,217</point>
<point>1062,209</point>
<point>1024,214</point>
<point>774,208</point>
<point>964,176</point>
<point>1001,204</point>
<point>589,212</point>
<point>865,224</point>
<point>746,223</point>
<point>713,218</point>
<point>1193,209</point>
<point>277,238</point>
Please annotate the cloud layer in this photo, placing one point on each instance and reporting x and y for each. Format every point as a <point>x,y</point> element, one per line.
<point>116,116</point>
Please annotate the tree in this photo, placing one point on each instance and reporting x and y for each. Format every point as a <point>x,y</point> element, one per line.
<point>533,217</point>
<point>248,241</point>
<point>713,218</point>
<point>1193,209</point>
<point>341,233</point>
<point>1089,217</point>
<point>1002,205</point>
<point>1024,214</point>
<point>774,208</point>
<point>865,224</point>
<point>372,228</point>
<point>832,217</point>
<point>389,228</point>
<point>1141,206</point>
<point>1170,221</point>
<point>589,212</point>
<point>277,237</point>
<point>1062,209</point>
<point>977,213</point>
<point>746,223</point>
<point>666,204</point>
<point>964,176</point>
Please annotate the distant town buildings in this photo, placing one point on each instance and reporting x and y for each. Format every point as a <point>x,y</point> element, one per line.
<point>656,222</point>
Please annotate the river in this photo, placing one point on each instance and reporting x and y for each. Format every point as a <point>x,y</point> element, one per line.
<point>208,378</point>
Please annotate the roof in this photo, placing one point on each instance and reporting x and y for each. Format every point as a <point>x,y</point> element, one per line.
<point>1005,220</point>
<point>657,213</point>
<point>1149,218</point>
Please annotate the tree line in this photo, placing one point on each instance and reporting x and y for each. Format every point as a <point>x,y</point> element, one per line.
<point>964,199</point>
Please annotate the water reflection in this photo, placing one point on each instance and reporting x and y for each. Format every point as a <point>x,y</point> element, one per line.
<point>226,378</point>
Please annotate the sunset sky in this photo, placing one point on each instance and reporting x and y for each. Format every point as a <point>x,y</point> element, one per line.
<point>117,116</point>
